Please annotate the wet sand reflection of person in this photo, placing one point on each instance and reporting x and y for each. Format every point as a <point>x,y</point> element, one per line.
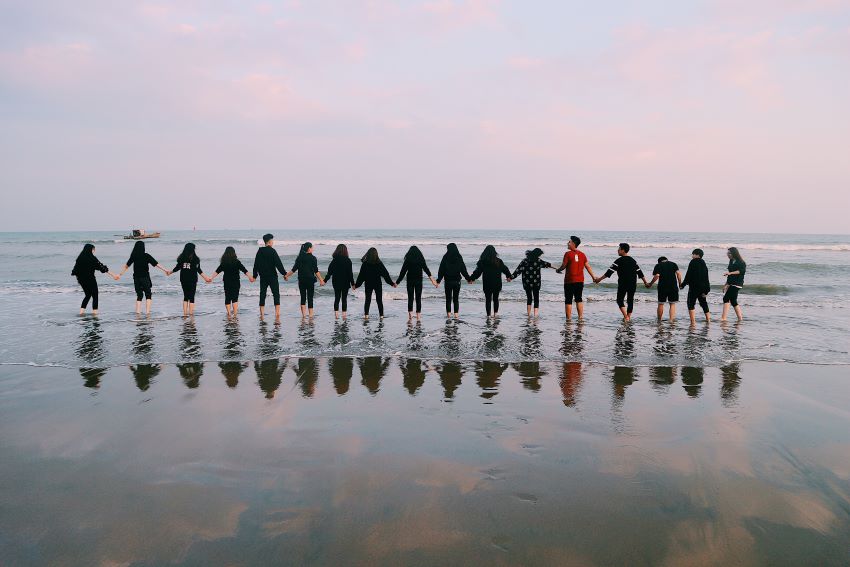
<point>89,348</point>
<point>307,341</point>
<point>142,345</point>
<point>231,370</point>
<point>661,378</point>
<point>144,374</point>
<point>493,342</point>
<point>307,375</point>
<point>372,370</point>
<point>621,378</point>
<point>340,336</point>
<point>414,335</point>
<point>341,369</point>
<point>413,374</point>
<point>449,339</point>
<point>624,341</point>
<point>531,342</point>
<point>270,375</point>
<point>191,373</point>
<point>530,373</point>
<point>731,382</point>
<point>234,344</point>
<point>696,343</point>
<point>572,375</point>
<point>451,375</point>
<point>190,342</point>
<point>373,337</point>
<point>573,340</point>
<point>269,342</point>
<point>692,378</point>
<point>488,373</point>
<point>665,344</point>
<point>92,376</point>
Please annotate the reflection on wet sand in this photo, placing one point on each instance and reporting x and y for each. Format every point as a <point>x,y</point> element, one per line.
<point>530,374</point>
<point>268,344</point>
<point>451,374</point>
<point>531,340</point>
<point>341,370</point>
<point>413,374</point>
<point>372,369</point>
<point>144,374</point>
<point>89,347</point>
<point>270,375</point>
<point>92,376</point>
<point>571,379</point>
<point>234,343</point>
<point>231,370</point>
<point>731,382</point>
<point>191,373</point>
<point>573,340</point>
<point>143,344</point>
<point>692,379</point>
<point>624,342</point>
<point>307,375</point>
<point>661,378</point>
<point>489,372</point>
<point>190,341</point>
<point>341,335</point>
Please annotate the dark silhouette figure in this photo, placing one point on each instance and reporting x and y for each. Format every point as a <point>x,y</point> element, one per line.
<point>372,370</point>
<point>341,369</point>
<point>191,373</point>
<point>144,374</point>
<point>231,370</point>
<point>488,373</point>
<point>307,372</point>
<point>451,374</point>
<point>572,375</point>
<point>269,375</point>
<point>413,374</point>
<point>692,378</point>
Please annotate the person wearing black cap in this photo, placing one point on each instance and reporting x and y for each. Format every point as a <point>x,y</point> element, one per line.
<point>266,265</point>
<point>696,279</point>
<point>628,272</point>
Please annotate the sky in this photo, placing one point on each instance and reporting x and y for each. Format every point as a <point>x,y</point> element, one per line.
<point>721,115</point>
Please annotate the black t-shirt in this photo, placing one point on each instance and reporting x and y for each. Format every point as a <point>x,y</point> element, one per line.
<point>141,265</point>
<point>667,275</point>
<point>341,271</point>
<point>736,266</point>
<point>266,262</point>
<point>231,272</point>
<point>189,270</point>
<point>627,270</point>
<point>306,266</point>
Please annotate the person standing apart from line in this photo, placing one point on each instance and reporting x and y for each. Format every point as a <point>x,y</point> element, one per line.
<point>492,268</point>
<point>84,269</point>
<point>575,263</point>
<point>413,267</point>
<point>189,266</point>
<point>669,278</point>
<point>266,265</point>
<point>530,267</point>
<point>628,272</point>
<point>696,279</point>
<point>141,262</point>
<point>341,275</point>
<point>230,266</point>
<point>452,269</point>
<point>308,271</point>
<point>734,282</point>
<point>372,270</point>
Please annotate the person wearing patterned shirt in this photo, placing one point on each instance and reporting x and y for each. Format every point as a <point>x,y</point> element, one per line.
<point>531,280</point>
<point>628,272</point>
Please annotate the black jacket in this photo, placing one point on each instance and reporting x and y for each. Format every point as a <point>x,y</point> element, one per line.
<point>266,262</point>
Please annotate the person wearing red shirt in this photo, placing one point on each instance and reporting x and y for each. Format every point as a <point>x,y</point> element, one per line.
<point>575,263</point>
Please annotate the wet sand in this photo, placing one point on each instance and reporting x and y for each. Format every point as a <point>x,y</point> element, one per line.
<point>386,461</point>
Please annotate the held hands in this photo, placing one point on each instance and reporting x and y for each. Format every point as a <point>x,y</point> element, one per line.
<point>252,279</point>
<point>208,279</point>
<point>647,284</point>
<point>168,272</point>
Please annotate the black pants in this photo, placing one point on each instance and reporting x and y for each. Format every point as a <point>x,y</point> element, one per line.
<point>452,296</point>
<point>414,291</point>
<point>693,298</point>
<point>231,293</point>
<point>273,285</point>
<point>731,295</point>
<point>573,291</point>
<point>143,286</point>
<point>307,289</point>
<point>379,298</point>
<point>491,298</point>
<point>532,295</point>
<point>341,296</point>
<point>90,290</point>
<point>189,289</point>
<point>626,295</point>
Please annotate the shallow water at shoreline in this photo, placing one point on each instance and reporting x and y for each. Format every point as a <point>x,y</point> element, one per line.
<point>385,460</point>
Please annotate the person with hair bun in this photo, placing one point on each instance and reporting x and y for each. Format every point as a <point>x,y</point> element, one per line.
<point>734,282</point>
<point>308,271</point>
<point>341,276</point>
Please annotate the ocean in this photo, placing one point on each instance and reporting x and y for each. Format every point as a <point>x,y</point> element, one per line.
<point>795,300</point>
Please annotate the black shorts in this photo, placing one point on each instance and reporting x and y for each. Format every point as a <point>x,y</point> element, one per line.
<point>143,287</point>
<point>573,291</point>
<point>731,295</point>
<point>670,295</point>
<point>231,294</point>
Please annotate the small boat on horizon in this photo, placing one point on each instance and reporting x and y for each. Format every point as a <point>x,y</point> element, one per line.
<point>140,234</point>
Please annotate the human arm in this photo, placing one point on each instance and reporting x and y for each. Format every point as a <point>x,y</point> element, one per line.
<point>255,271</point>
<point>519,269</point>
<point>403,272</point>
<point>506,272</point>
<point>386,275</point>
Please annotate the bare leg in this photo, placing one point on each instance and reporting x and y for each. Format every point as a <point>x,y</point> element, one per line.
<point>262,313</point>
<point>410,315</point>
<point>303,311</point>
<point>536,312</point>
<point>707,317</point>
<point>625,313</point>
<point>738,312</point>
<point>235,308</point>
<point>82,311</point>
<point>725,313</point>
<point>672,312</point>
<point>277,313</point>
<point>692,314</point>
<point>344,315</point>
<point>191,308</point>
<point>418,316</point>
<point>568,310</point>
<point>528,309</point>
<point>336,314</point>
<point>310,312</point>
<point>148,307</point>
<point>227,308</point>
<point>660,311</point>
<point>94,312</point>
<point>580,308</point>
<point>185,308</point>
<point>138,307</point>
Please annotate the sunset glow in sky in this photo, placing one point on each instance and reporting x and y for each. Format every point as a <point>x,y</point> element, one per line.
<point>713,116</point>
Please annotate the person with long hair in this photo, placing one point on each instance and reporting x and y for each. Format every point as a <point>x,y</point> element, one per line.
<point>308,271</point>
<point>85,268</point>
<point>734,282</point>
<point>452,269</point>
<point>696,280</point>
<point>341,275</point>
<point>372,270</point>
<point>530,268</point>
<point>492,268</point>
<point>230,266</point>
<point>413,267</point>
<point>189,266</point>
<point>141,262</point>
<point>267,264</point>
<point>628,272</point>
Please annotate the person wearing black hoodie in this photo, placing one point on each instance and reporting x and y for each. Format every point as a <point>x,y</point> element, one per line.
<point>452,269</point>
<point>84,269</point>
<point>696,280</point>
<point>414,266</point>
<point>341,275</point>
<point>492,268</point>
<point>266,265</point>
<point>308,271</point>
<point>372,270</point>
<point>734,282</point>
<point>141,262</point>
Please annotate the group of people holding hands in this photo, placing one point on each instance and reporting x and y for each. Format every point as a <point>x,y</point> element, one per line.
<point>451,273</point>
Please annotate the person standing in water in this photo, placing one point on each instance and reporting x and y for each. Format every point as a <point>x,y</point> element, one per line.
<point>530,267</point>
<point>413,267</point>
<point>575,263</point>
<point>189,266</point>
<point>696,279</point>
<point>628,272</point>
<point>266,265</point>
<point>372,270</point>
<point>141,262</point>
<point>492,268</point>
<point>734,282</point>
<point>308,271</point>
<point>452,269</point>
<point>230,266</point>
<point>341,275</point>
<point>669,279</point>
<point>85,269</point>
